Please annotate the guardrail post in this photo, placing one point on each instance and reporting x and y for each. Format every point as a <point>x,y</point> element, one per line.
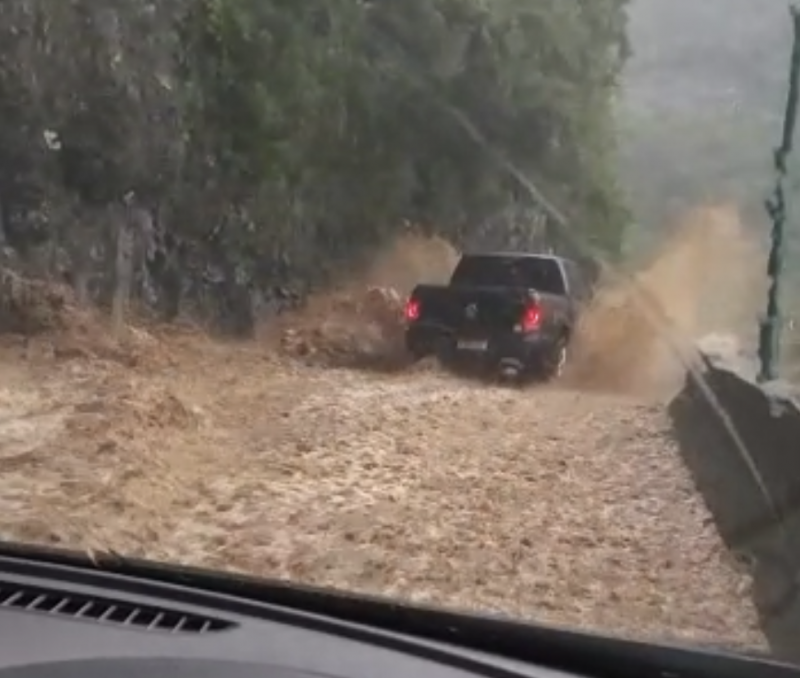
<point>776,205</point>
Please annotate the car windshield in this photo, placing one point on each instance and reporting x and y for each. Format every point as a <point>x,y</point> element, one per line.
<point>229,338</point>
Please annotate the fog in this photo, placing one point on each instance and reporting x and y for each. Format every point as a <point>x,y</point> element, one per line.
<point>702,104</point>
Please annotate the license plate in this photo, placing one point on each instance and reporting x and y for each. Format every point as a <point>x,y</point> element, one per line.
<point>472,345</point>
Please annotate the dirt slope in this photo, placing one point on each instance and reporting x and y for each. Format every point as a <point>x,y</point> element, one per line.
<point>564,504</point>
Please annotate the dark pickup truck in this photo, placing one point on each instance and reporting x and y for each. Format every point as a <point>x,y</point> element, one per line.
<point>512,312</point>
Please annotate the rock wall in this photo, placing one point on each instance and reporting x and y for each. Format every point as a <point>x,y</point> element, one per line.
<point>741,441</point>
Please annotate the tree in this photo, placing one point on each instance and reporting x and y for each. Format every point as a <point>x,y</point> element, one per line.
<point>272,141</point>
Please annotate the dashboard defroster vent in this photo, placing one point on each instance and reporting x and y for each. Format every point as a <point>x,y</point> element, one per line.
<point>106,610</point>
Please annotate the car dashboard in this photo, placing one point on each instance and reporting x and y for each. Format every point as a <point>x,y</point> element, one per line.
<point>56,622</point>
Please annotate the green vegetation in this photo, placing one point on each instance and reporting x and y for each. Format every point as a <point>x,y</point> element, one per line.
<point>267,142</point>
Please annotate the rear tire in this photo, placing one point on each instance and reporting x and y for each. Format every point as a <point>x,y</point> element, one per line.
<point>556,361</point>
<point>448,357</point>
<point>517,379</point>
<point>417,353</point>
<point>418,350</point>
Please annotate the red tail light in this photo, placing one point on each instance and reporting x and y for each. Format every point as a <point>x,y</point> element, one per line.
<point>412,310</point>
<point>531,318</point>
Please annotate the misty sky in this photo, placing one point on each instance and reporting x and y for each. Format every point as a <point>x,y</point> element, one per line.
<point>709,53</point>
<point>702,104</point>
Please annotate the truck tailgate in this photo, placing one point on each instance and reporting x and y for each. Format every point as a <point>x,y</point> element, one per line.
<point>470,311</point>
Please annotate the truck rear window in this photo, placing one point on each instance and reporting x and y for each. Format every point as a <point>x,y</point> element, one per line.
<point>541,274</point>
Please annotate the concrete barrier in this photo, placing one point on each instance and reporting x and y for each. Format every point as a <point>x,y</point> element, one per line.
<point>746,464</point>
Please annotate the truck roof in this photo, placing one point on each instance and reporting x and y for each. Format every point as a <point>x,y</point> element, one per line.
<point>519,255</point>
